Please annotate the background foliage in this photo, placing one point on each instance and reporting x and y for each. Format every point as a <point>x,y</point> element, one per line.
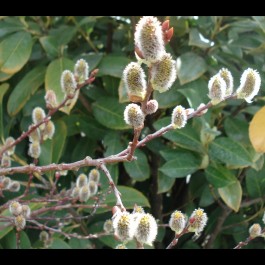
<point>214,149</point>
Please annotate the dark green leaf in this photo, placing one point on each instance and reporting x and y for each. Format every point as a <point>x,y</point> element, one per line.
<point>3,90</point>
<point>58,243</point>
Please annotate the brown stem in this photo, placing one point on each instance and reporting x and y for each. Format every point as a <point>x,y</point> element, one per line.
<point>177,236</point>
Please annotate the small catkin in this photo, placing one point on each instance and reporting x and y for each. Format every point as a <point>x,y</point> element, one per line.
<point>81,180</point>
<point>135,83</point>
<point>6,181</point>
<point>38,114</point>
<point>14,186</point>
<point>164,73</point>
<point>249,85</point>
<point>75,192</point>
<point>6,161</point>
<point>217,89</point>
<point>228,78</point>
<point>48,130</point>
<point>255,230</point>
<point>44,236</point>
<point>34,150</point>
<point>20,222</point>
<point>68,83</point>
<point>151,106</point>
<point>84,193</point>
<point>177,222</point>
<point>11,150</point>
<point>81,71</point>
<point>124,226</point>
<point>51,99</point>
<point>149,39</point>
<point>146,229</point>
<point>26,211</point>
<point>15,208</point>
<point>108,226</point>
<point>121,246</point>
<point>134,116</point>
<point>198,221</point>
<point>94,175</point>
<point>93,187</point>
<point>35,135</point>
<point>179,117</point>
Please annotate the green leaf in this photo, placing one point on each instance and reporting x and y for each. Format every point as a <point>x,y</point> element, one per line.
<point>10,242</point>
<point>3,90</point>
<point>186,137</point>
<point>190,66</point>
<point>58,243</point>
<point>109,112</point>
<point>198,40</point>
<point>181,166</point>
<point>206,198</point>
<point>129,197</point>
<point>255,183</point>
<point>24,89</point>
<point>219,176</point>
<point>4,76</point>
<point>112,143</point>
<point>113,65</point>
<point>93,59</point>
<point>232,195</point>
<point>50,46</point>
<point>53,77</point>
<point>229,152</point>
<point>164,183</point>
<point>15,51</point>
<point>138,169</point>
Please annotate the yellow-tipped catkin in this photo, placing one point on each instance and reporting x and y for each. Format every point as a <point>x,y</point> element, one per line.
<point>81,71</point>
<point>151,106</point>
<point>94,175</point>
<point>108,226</point>
<point>249,85</point>
<point>15,208</point>
<point>34,150</point>
<point>38,114</point>
<point>35,135</point>
<point>68,83</point>
<point>217,89</point>
<point>149,38</point>
<point>164,73</point>
<point>26,211</point>
<point>6,161</point>
<point>179,117</point>
<point>228,78</point>
<point>138,209</point>
<point>20,222</point>
<point>177,222</point>
<point>51,99</point>
<point>93,187</point>
<point>255,230</point>
<point>6,181</point>
<point>11,150</point>
<point>81,180</point>
<point>84,193</point>
<point>48,130</point>
<point>75,192</point>
<point>44,236</point>
<point>198,221</point>
<point>124,226</point>
<point>14,186</point>
<point>134,116</point>
<point>121,246</point>
<point>135,83</point>
<point>146,229</point>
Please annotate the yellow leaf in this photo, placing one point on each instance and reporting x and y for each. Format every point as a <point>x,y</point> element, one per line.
<point>257,131</point>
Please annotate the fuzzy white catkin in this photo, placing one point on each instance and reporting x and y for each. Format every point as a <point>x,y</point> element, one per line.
<point>75,192</point>
<point>255,230</point>
<point>108,226</point>
<point>179,117</point>
<point>14,186</point>
<point>177,222</point>
<point>151,106</point>
<point>134,116</point>
<point>51,99</point>
<point>228,78</point>
<point>164,73</point>
<point>81,180</point>
<point>6,181</point>
<point>6,161</point>
<point>84,193</point>
<point>38,114</point>
<point>34,150</point>
<point>68,83</point>
<point>94,175</point>
<point>49,130</point>
<point>35,135</point>
<point>81,70</point>
<point>217,89</point>
<point>149,38</point>
<point>20,222</point>
<point>249,85</point>
<point>26,211</point>
<point>93,187</point>
<point>124,226</point>
<point>15,208</point>
<point>135,83</point>
<point>199,219</point>
<point>121,246</point>
<point>11,150</point>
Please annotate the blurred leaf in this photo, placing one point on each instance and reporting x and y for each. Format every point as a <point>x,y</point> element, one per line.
<point>3,90</point>
<point>10,242</point>
<point>53,77</point>
<point>197,39</point>
<point>261,22</point>
<point>109,112</point>
<point>50,46</point>
<point>112,144</point>
<point>206,197</point>
<point>63,34</point>
<point>219,176</point>
<point>138,169</point>
<point>232,195</point>
<point>165,183</point>
<point>229,152</point>
<point>255,183</point>
<point>113,65</point>
<point>190,67</point>
<point>4,76</point>
<point>58,243</point>
<point>93,60</point>
<point>15,51</point>
<point>24,89</point>
<point>256,131</point>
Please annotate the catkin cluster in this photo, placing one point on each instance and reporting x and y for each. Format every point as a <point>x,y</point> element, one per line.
<point>86,187</point>
<point>6,158</point>
<point>7,184</point>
